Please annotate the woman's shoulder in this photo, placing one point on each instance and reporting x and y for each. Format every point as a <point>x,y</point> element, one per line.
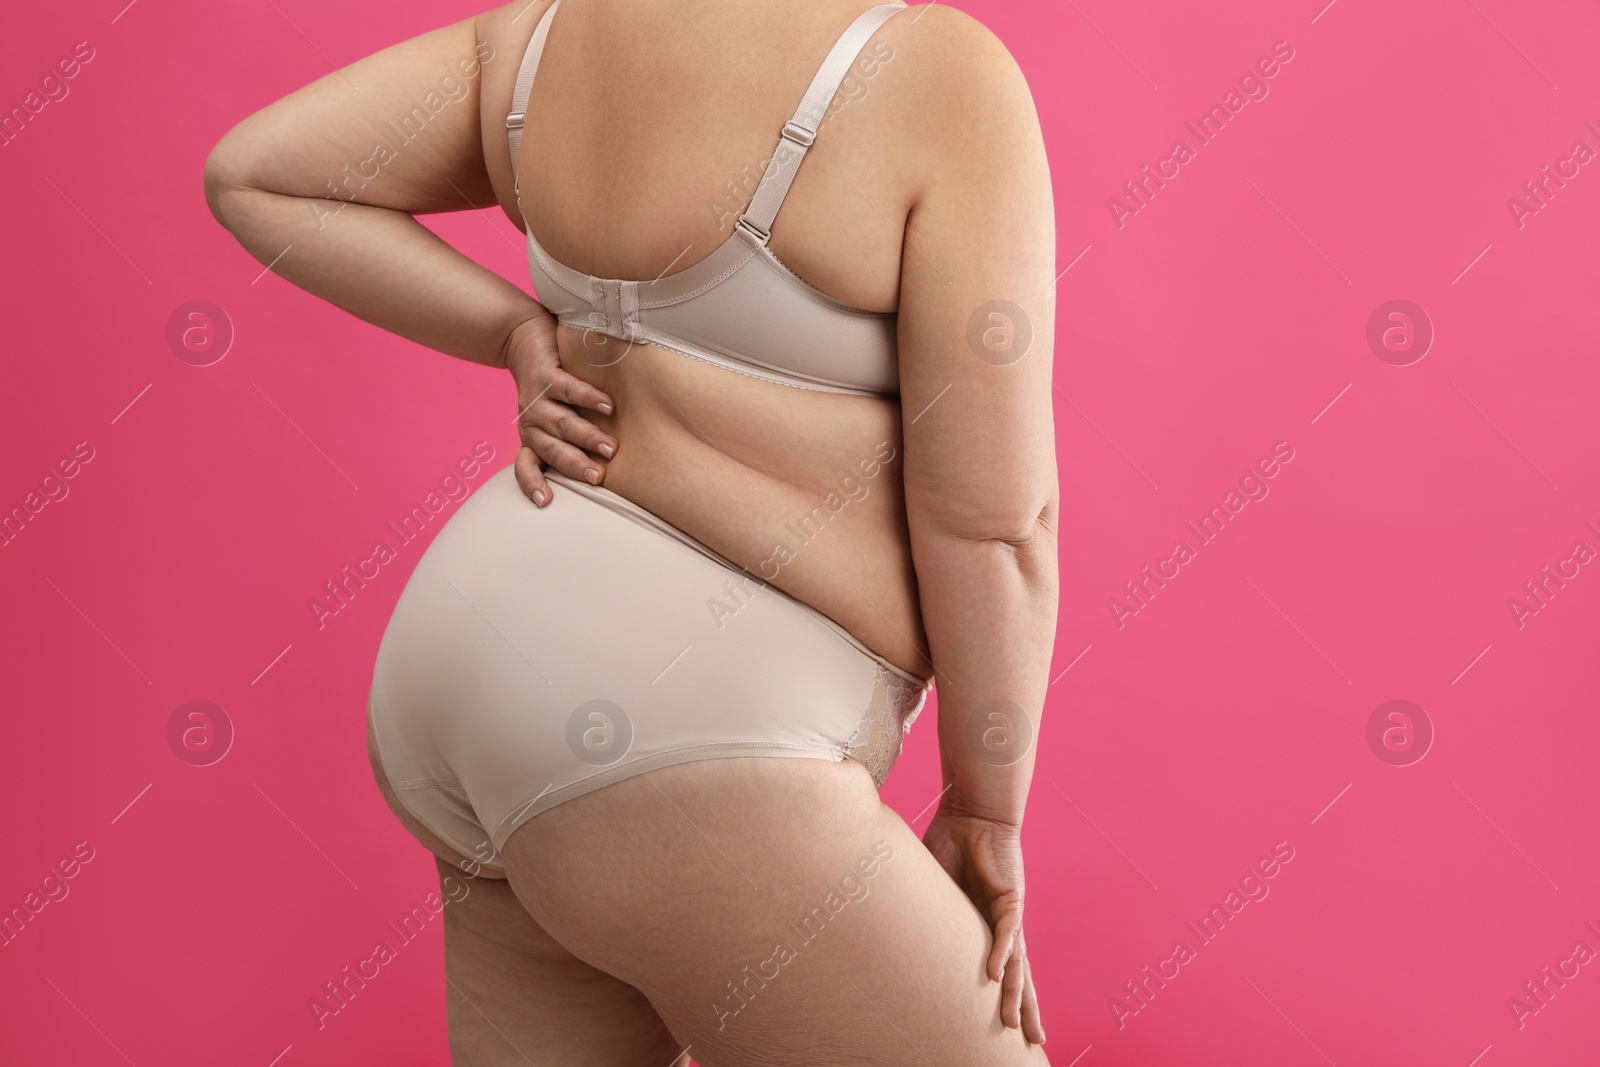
<point>967,68</point>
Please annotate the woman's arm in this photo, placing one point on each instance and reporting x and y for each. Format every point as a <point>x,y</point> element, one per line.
<point>981,494</point>
<point>977,319</point>
<point>322,185</point>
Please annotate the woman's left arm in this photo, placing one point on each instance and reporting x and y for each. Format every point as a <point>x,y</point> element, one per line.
<point>322,186</point>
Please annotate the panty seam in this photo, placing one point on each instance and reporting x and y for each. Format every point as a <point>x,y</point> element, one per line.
<point>466,853</point>
<point>632,768</point>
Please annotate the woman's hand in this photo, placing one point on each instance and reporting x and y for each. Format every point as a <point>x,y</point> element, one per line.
<point>551,431</point>
<point>985,859</point>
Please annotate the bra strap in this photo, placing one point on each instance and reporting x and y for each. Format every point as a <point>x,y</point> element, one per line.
<point>800,131</point>
<point>524,85</point>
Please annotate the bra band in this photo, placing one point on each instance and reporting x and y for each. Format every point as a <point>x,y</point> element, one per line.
<point>624,308</point>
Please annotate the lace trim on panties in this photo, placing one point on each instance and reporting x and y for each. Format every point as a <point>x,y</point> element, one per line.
<point>876,744</point>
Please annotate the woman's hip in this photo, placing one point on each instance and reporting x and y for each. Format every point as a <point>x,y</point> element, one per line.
<point>538,653</point>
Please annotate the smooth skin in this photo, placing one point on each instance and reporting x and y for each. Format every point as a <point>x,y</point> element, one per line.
<point>625,913</point>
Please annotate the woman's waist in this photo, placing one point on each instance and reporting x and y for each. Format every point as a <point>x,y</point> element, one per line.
<point>816,511</point>
<point>744,583</point>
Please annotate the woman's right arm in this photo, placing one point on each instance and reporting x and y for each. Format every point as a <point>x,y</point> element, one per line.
<point>976,329</point>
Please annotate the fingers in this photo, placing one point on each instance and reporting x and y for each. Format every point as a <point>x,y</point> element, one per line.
<point>566,458</point>
<point>1008,962</point>
<point>548,414</point>
<point>562,387</point>
<point>1008,924</point>
<point>579,393</point>
<point>563,423</point>
<point>1011,989</point>
<point>1032,1024</point>
<point>530,477</point>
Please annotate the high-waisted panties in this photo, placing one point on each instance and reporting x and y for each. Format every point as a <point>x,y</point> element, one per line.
<point>537,654</point>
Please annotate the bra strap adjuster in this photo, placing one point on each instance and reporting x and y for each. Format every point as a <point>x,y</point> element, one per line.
<point>797,133</point>
<point>751,230</point>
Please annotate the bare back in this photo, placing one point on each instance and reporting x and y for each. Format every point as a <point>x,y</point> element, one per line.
<point>662,137</point>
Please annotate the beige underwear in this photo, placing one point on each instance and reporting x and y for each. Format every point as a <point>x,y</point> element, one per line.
<point>537,654</point>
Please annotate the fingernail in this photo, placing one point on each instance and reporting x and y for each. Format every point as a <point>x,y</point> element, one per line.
<point>606,450</point>
<point>538,497</point>
<point>605,408</point>
<point>593,475</point>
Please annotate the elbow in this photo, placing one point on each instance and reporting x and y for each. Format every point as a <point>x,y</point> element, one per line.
<point>1029,543</point>
<point>1025,534</point>
<point>1029,555</point>
<point>1020,517</point>
<point>1009,564</point>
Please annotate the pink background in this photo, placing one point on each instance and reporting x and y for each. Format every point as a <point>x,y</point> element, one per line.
<point>1229,714</point>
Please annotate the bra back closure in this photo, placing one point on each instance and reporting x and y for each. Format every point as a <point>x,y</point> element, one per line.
<point>614,308</point>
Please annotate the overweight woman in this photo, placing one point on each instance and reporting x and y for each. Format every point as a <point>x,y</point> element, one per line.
<point>787,463</point>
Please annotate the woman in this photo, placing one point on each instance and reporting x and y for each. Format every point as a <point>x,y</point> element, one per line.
<point>647,679</point>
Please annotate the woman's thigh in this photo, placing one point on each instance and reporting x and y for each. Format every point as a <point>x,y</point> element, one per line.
<point>774,911</point>
<point>515,996</point>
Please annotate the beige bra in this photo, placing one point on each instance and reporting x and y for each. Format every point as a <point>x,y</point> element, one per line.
<point>739,308</point>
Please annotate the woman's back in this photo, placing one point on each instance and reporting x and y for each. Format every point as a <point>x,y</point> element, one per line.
<point>641,145</point>
<point>680,803</point>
